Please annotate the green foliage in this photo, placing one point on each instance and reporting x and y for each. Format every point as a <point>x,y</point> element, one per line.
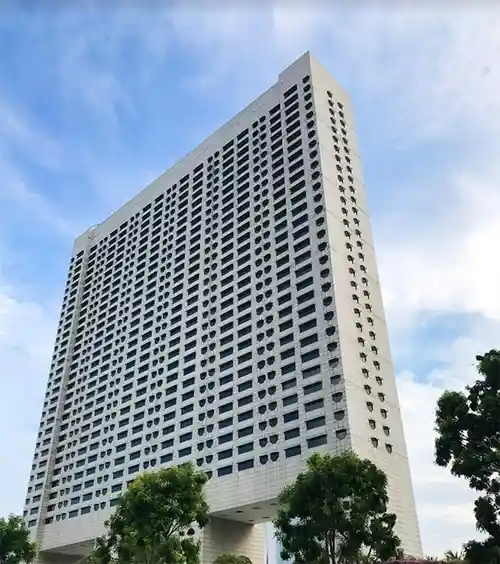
<point>468,442</point>
<point>15,544</point>
<point>153,522</point>
<point>452,557</point>
<point>232,559</point>
<point>336,512</point>
<point>413,560</point>
<point>485,552</point>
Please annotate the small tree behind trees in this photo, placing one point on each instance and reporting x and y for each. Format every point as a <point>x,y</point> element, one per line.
<point>413,560</point>
<point>454,557</point>
<point>232,559</point>
<point>15,544</point>
<point>468,443</point>
<point>154,521</point>
<point>336,513</point>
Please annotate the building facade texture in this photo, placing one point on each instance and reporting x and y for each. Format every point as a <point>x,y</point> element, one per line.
<point>231,315</point>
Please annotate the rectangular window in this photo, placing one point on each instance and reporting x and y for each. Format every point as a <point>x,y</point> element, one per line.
<point>291,416</point>
<point>292,433</point>
<point>290,400</point>
<point>292,451</point>
<point>316,422</point>
<point>245,464</point>
<point>312,388</point>
<point>316,441</point>
<point>313,405</point>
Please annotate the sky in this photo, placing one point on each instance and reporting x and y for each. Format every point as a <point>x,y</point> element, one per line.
<point>98,98</point>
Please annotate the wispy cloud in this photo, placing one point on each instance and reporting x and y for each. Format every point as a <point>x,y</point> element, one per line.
<point>449,265</point>
<point>434,67</point>
<point>15,193</point>
<point>26,333</point>
<point>20,136</point>
<point>445,504</point>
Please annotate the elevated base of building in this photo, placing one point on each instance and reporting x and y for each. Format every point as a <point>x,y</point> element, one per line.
<point>234,537</point>
<point>220,536</point>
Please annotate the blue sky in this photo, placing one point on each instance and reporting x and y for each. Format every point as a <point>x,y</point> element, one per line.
<point>96,102</point>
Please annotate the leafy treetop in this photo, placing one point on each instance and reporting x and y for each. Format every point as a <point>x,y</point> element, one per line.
<point>409,560</point>
<point>15,543</point>
<point>336,512</point>
<point>154,521</point>
<point>468,442</point>
<point>232,559</point>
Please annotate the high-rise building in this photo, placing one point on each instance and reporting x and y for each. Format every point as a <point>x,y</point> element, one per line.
<point>230,315</point>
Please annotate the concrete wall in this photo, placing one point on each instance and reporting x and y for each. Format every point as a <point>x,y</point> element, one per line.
<point>222,536</point>
<point>333,106</point>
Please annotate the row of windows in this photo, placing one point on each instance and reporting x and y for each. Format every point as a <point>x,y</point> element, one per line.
<point>247,371</point>
<point>241,466</point>
<point>170,254</point>
<point>350,238</point>
<point>217,344</point>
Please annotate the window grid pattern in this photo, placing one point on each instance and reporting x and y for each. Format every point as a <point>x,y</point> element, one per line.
<point>205,327</point>
<point>365,321</point>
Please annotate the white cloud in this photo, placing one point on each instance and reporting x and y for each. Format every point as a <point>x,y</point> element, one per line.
<point>23,140</point>
<point>18,133</point>
<point>435,68</point>
<point>26,333</point>
<point>92,83</point>
<point>444,262</point>
<point>15,193</point>
<point>445,504</point>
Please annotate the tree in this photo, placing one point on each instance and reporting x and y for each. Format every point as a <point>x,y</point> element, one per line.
<point>413,560</point>
<point>482,552</point>
<point>232,559</point>
<point>15,544</point>
<point>154,521</point>
<point>468,442</point>
<point>336,512</point>
<point>454,557</point>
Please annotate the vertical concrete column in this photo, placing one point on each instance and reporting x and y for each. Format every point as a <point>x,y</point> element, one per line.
<point>242,539</point>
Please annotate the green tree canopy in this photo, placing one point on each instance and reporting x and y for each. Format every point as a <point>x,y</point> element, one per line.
<point>15,543</point>
<point>468,443</point>
<point>154,521</point>
<point>336,513</point>
<point>232,559</point>
<point>413,560</point>
<point>453,557</point>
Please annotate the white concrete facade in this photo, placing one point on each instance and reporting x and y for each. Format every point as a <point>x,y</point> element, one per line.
<point>230,314</point>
